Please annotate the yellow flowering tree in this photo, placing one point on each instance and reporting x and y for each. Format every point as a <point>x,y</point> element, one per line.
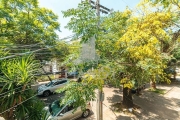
<point>135,43</point>
<point>141,48</point>
<point>170,39</point>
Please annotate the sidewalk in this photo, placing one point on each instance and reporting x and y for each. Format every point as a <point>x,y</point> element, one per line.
<point>110,97</point>
<point>156,106</point>
<point>1,118</point>
<point>153,106</point>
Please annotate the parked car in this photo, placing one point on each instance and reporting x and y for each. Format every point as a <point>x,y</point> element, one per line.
<point>72,74</point>
<point>177,70</point>
<point>52,86</point>
<point>66,112</point>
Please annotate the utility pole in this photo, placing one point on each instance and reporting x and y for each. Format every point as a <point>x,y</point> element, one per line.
<point>99,104</point>
<point>100,96</point>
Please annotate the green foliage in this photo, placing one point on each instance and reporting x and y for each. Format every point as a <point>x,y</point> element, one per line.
<point>24,22</point>
<point>115,24</point>
<point>60,51</point>
<point>20,70</point>
<point>18,74</point>
<point>165,3</point>
<point>176,53</point>
<point>81,93</point>
<point>35,110</point>
<point>83,20</point>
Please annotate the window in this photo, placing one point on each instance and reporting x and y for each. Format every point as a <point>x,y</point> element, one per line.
<point>67,109</point>
<point>64,110</point>
<point>56,83</point>
<point>70,108</point>
<point>63,81</point>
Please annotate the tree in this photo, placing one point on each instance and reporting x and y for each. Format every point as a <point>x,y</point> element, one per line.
<point>173,31</point>
<point>61,50</point>
<point>176,53</point>
<point>27,23</point>
<point>169,46</point>
<point>136,44</point>
<point>16,93</point>
<point>164,3</point>
<point>85,91</point>
<point>83,21</point>
<point>140,49</point>
<point>28,27</point>
<point>114,25</point>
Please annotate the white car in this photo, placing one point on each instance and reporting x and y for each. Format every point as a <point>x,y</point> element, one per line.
<point>177,70</point>
<point>66,112</point>
<point>51,87</point>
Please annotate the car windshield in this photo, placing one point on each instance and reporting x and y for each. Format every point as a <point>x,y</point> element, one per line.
<point>55,107</point>
<point>49,84</point>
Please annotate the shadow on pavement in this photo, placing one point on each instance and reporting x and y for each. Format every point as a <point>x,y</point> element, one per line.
<point>51,98</point>
<point>124,118</point>
<point>153,106</point>
<point>115,98</point>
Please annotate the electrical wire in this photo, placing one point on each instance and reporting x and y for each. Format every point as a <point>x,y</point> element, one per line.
<point>15,92</point>
<point>18,104</point>
<point>131,7</point>
<point>67,37</point>
<point>13,89</point>
<point>33,45</point>
<point>19,45</point>
<point>26,85</point>
<point>34,48</point>
<point>21,54</point>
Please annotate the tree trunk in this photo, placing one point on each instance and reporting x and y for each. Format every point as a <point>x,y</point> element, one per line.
<point>153,85</point>
<point>174,76</point>
<point>20,96</point>
<point>11,112</point>
<point>138,91</point>
<point>127,98</point>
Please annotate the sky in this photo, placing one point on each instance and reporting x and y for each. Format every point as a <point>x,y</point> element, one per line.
<point>62,5</point>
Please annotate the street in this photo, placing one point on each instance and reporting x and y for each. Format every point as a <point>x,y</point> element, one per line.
<point>48,100</point>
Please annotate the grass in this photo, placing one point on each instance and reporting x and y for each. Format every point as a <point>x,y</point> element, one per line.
<point>159,91</point>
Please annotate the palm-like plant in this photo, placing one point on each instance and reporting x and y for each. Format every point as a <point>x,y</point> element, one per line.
<point>17,75</point>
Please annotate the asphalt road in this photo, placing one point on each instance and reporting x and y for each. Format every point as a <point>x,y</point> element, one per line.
<point>48,100</point>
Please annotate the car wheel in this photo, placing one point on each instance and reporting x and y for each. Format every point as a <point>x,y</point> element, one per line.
<point>86,113</point>
<point>46,93</point>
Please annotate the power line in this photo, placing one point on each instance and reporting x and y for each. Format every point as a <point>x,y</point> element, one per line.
<point>131,7</point>
<point>18,104</point>
<point>50,51</point>
<point>20,49</point>
<point>100,7</point>
<point>21,54</point>
<point>13,89</point>
<point>33,45</point>
<point>14,92</point>
<point>19,45</point>
<point>67,37</point>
